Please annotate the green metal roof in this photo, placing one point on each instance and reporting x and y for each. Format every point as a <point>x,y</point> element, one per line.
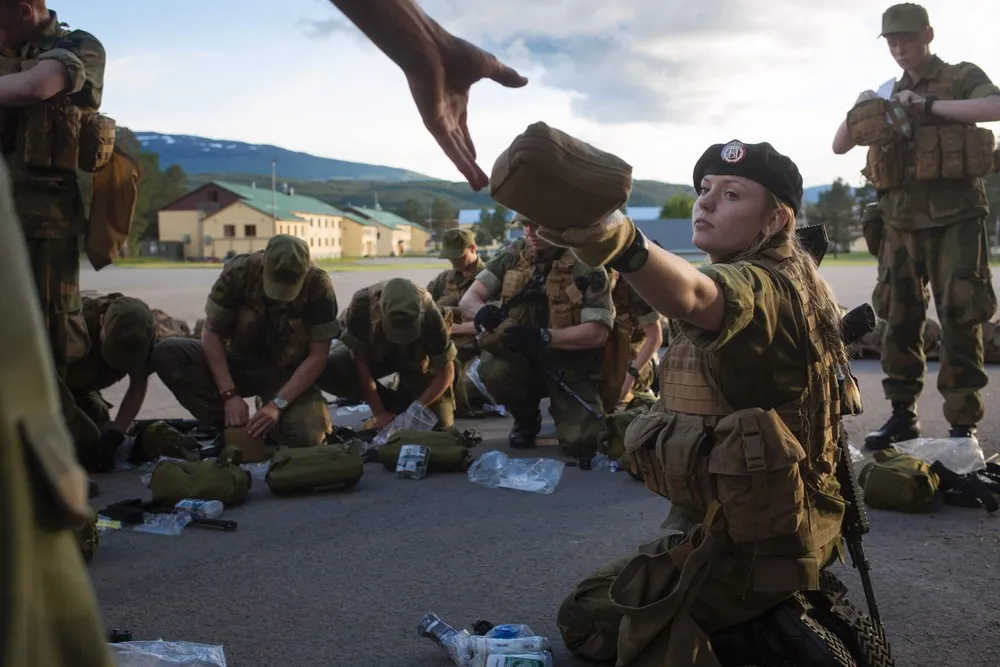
<point>358,219</point>
<point>288,206</point>
<point>390,220</point>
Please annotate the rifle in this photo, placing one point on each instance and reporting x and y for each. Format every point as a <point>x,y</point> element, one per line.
<point>131,512</point>
<point>854,325</point>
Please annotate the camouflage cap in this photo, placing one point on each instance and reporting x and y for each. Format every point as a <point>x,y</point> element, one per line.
<point>454,242</point>
<point>129,332</point>
<point>905,17</point>
<point>402,305</point>
<point>286,263</point>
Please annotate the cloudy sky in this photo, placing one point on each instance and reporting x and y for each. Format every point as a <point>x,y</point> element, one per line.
<point>654,81</point>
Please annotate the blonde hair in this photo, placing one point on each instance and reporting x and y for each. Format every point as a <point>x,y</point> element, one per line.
<point>804,271</point>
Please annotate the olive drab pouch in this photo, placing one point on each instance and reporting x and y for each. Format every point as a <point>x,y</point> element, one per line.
<point>951,139</point>
<point>253,450</point>
<point>559,181</point>
<point>97,141</point>
<point>617,354</point>
<point>979,146</point>
<point>886,167</point>
<point>115,191</point>
<point>161,439</point>
<point>618,423</point>
<point>222,479</point>
<point>872,228</point>
<point>755,465</point>
<point>48,136</point>
<point>450,449</point>
<point>654,593</point>
<point>671,451</point>
<point>877,122</point>
<point>313,469</point>
<point>89,537</point>
<point>899,482</point>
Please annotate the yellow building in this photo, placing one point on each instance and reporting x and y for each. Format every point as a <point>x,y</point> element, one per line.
<point>396,236</point>
<point>221,218</point>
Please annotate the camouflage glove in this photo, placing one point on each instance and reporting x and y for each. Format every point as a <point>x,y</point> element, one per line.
<point>595,245</point>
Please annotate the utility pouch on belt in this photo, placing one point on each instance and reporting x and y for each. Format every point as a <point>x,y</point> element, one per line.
<point>223,480</point>
<point>49,136</point>
<point>313,469</point>
<point>559,181</point>
<point>900,482</point>
<point>878,122</point>
<point>871,229</point>
<point>449,448</point>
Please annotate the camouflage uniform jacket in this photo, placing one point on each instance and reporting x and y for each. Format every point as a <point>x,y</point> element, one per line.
<point>364,335</point>
<point>92,373</point>
<point>41,141</point>
<point>448,288</point>
<point>275,332</point>
<point>920,204</point>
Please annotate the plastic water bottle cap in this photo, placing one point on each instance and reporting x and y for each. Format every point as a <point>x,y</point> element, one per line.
<point>506,631</point>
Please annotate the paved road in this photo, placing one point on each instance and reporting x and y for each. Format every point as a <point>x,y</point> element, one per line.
<point>343,579</point>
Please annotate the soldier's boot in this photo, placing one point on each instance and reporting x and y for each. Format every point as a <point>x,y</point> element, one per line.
<point>524,431</point>
<point>902,425</point>
<point>963,432</point>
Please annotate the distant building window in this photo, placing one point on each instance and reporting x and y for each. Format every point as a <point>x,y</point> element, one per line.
<point>250,231</point>
<point>213,195</point>
<point>229,231</point>
<point>311,241</point>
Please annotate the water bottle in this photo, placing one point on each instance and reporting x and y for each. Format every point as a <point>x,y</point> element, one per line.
<point>203,509</point>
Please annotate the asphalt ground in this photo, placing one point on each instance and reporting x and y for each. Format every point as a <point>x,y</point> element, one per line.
<point>344,578</point>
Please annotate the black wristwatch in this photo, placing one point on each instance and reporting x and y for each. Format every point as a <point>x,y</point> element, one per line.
<point>929,101</point>
<point>633,257</point>
<point>633,371</point>
<point>279,403</point>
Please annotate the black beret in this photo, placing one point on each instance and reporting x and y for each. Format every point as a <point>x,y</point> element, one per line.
<point>759,163</point>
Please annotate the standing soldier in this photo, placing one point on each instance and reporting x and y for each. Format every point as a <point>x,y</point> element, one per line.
<point>647,336</point>
<point>554,319</point>
<point>447,289</point>
<point>51,84</point>
<point>927,165</point>
<point>122,332</point>
<point>270,319</point>
<point>394,327</point>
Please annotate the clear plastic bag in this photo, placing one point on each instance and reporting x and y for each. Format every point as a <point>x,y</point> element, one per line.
<point>856,455</point>
<point>416,418</point>
<point>164,524</point>
<point>960,455</point>
<point>351,416</point>
<point>160,653</point>
<point>494,469</point>
<point>258,471</point>
<point>472,372</point>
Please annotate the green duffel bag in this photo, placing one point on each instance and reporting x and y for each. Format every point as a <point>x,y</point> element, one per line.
<point>899,482</point>
<point>222,479</point>
<point>450,449</point>
<point>311,469</point>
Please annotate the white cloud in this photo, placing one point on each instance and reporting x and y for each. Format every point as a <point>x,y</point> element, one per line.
<point>655,82</point>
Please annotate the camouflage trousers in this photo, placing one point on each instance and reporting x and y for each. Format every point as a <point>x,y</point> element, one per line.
<point>55,264</point>
<point>514,383</point>
<point>589,622</point>
<point>341,380</point>
<point>181,364</point>
<point>954,261</point>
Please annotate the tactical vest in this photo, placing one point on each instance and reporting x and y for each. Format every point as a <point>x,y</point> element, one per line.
<point>943,154</point>
<point>56,134</point>
<point>565,300</point>
<point>91,373</point>
<point>772,470</point>
<point>411,357</point>
<point>270,330</point>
